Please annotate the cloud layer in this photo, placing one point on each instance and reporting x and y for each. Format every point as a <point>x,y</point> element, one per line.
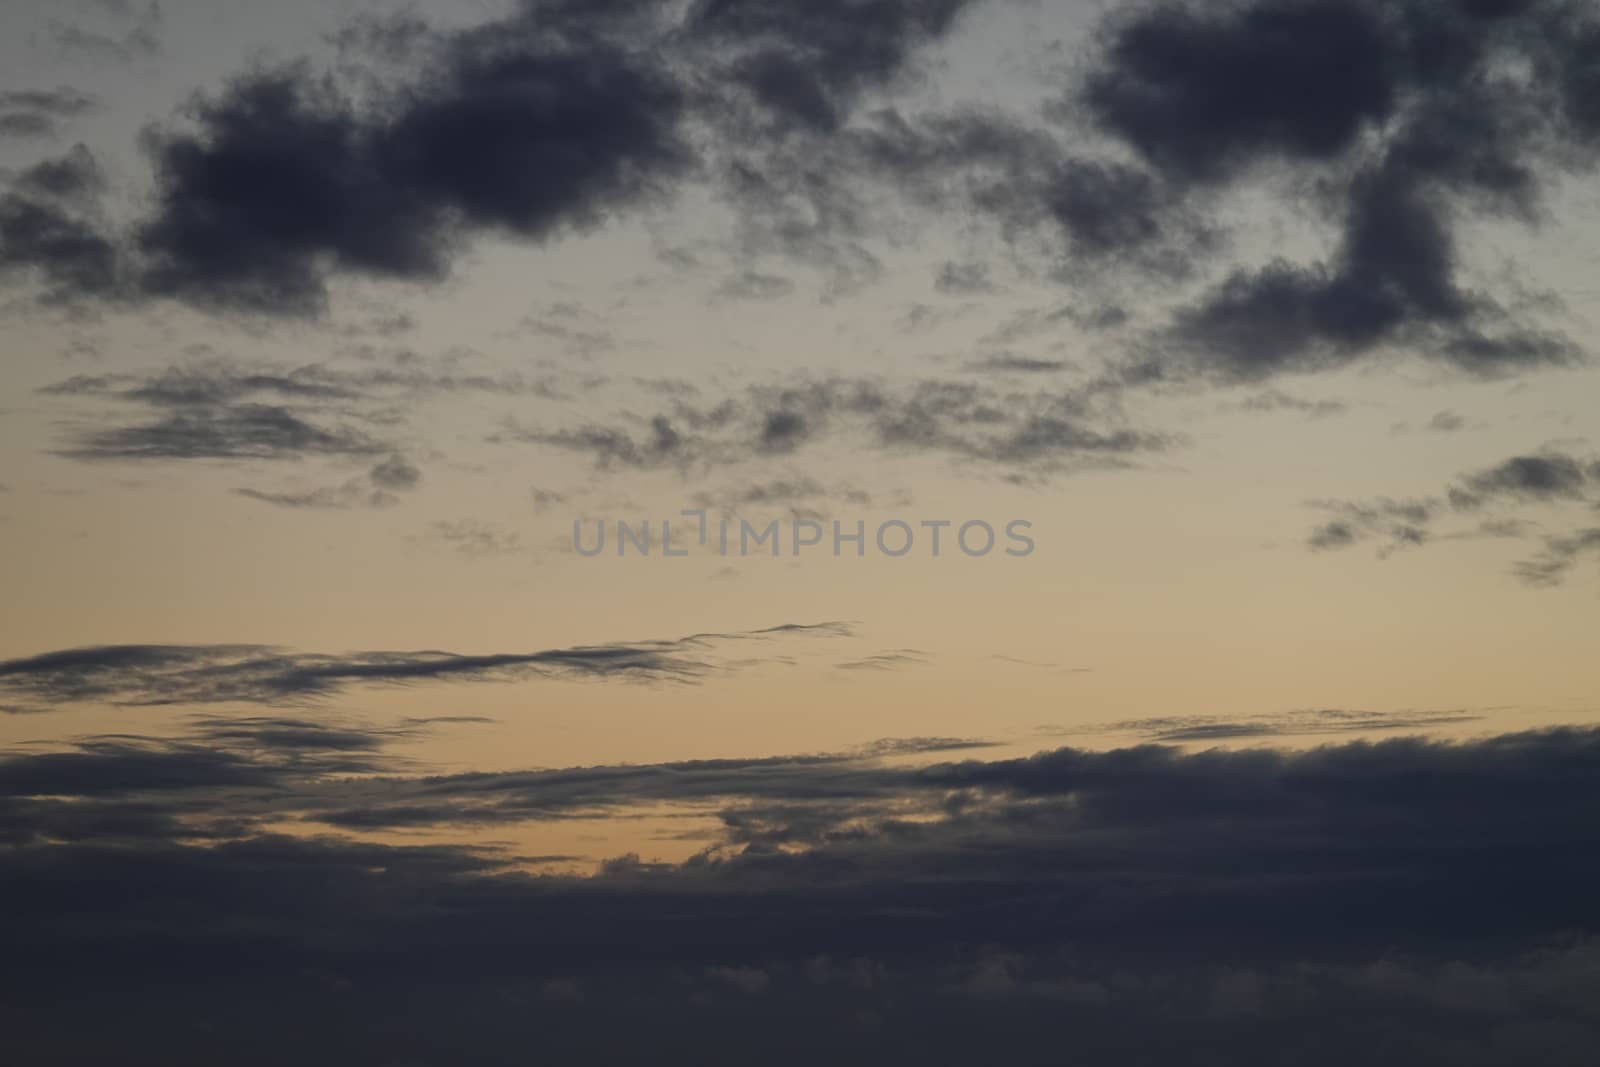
<point>159,675</point>
<point>1248,901</point>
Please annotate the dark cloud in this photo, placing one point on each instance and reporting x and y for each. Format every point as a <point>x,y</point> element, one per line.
<point>1202,92</point>
<point>1493,502</point>
<point>156,675</point>
<point>1019,365</point>
<point>805,70</point>
<point>1084,215</point>
<point>886,661</point>
<point>1558,556</point>
<point>1272,400</point>
<point>397,473</point>
<point>1553,476</point>
<point>1303,723</point>
<point>51,231</point>
<point>355,493</point>
<point>126,32</point>
<point>238,431</point>
<point>545,122</point>
<point>218,410</point>
<point>1417,126</point>
<point>1433,898</point>
<point>1030,433</point>
<point>801,496</point>
<point>216,413</point>
<point>41,112</point>
<point>534,126</point>
<point>1399,124</point>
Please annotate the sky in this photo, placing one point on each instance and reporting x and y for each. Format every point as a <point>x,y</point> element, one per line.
<point>1100,511</point>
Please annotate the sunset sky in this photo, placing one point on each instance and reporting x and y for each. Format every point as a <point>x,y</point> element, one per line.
<point>1268,323</point>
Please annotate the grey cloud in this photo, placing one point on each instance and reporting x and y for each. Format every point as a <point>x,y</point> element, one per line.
<point>41,112</point>
<point>217,410</point>
<point>477,540</point>
<point>886,661</point>
<point>1031,433</point>
<point>159,675</point>
<point>1272,400</point>
<point>396,473</point>
<point>1558,557</point>
<point>964,278</point>
<point>352,494</point>
<point>753,285</point>
<point>1478,502</point>
<point>801,496</point>
<point>1303,723</point>
<point>1019,365</point>
<point>50,229</point>
<point>1552,476</point>
<point>134,33</point>
<point>239,431</point>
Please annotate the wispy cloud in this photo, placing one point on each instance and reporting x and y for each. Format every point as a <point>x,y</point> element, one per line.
<point>154,675</point>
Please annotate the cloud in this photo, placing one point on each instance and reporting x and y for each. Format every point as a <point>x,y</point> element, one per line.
<point>1436,891</point>
<point>542,123</point>
<point>1019,365</point>
<point>1031,433</point>
<point>397,473</point>
<point>220,410</point>
<point>239,431</point>
<point>1274,400</point>
<point>135,35</point>
<point>1085,215</point>
<point>1552,476</point>
<point>964,279</point>
<point>1493,502</point>
<point>753,285</point>
<point>794,72</point>
<point>886,661</point>
<point>50,229</point>
<point>377,489</point>
<point>1442,422</point>
<point>1558,557</point>
<point>1395,126</point>
<point>41,112</point>
<point>1201,94</point>
<point>1303,723</point>
<point>1407,116</point>
<point>477,540</point>
<point>161,675</point>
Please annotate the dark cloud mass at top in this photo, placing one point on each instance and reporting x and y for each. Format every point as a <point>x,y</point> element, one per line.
<point>529,127</point>
<point>541,123</point>
<point>1398,123</point>
<point>1415,116</point>
<point>1202,91</point>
